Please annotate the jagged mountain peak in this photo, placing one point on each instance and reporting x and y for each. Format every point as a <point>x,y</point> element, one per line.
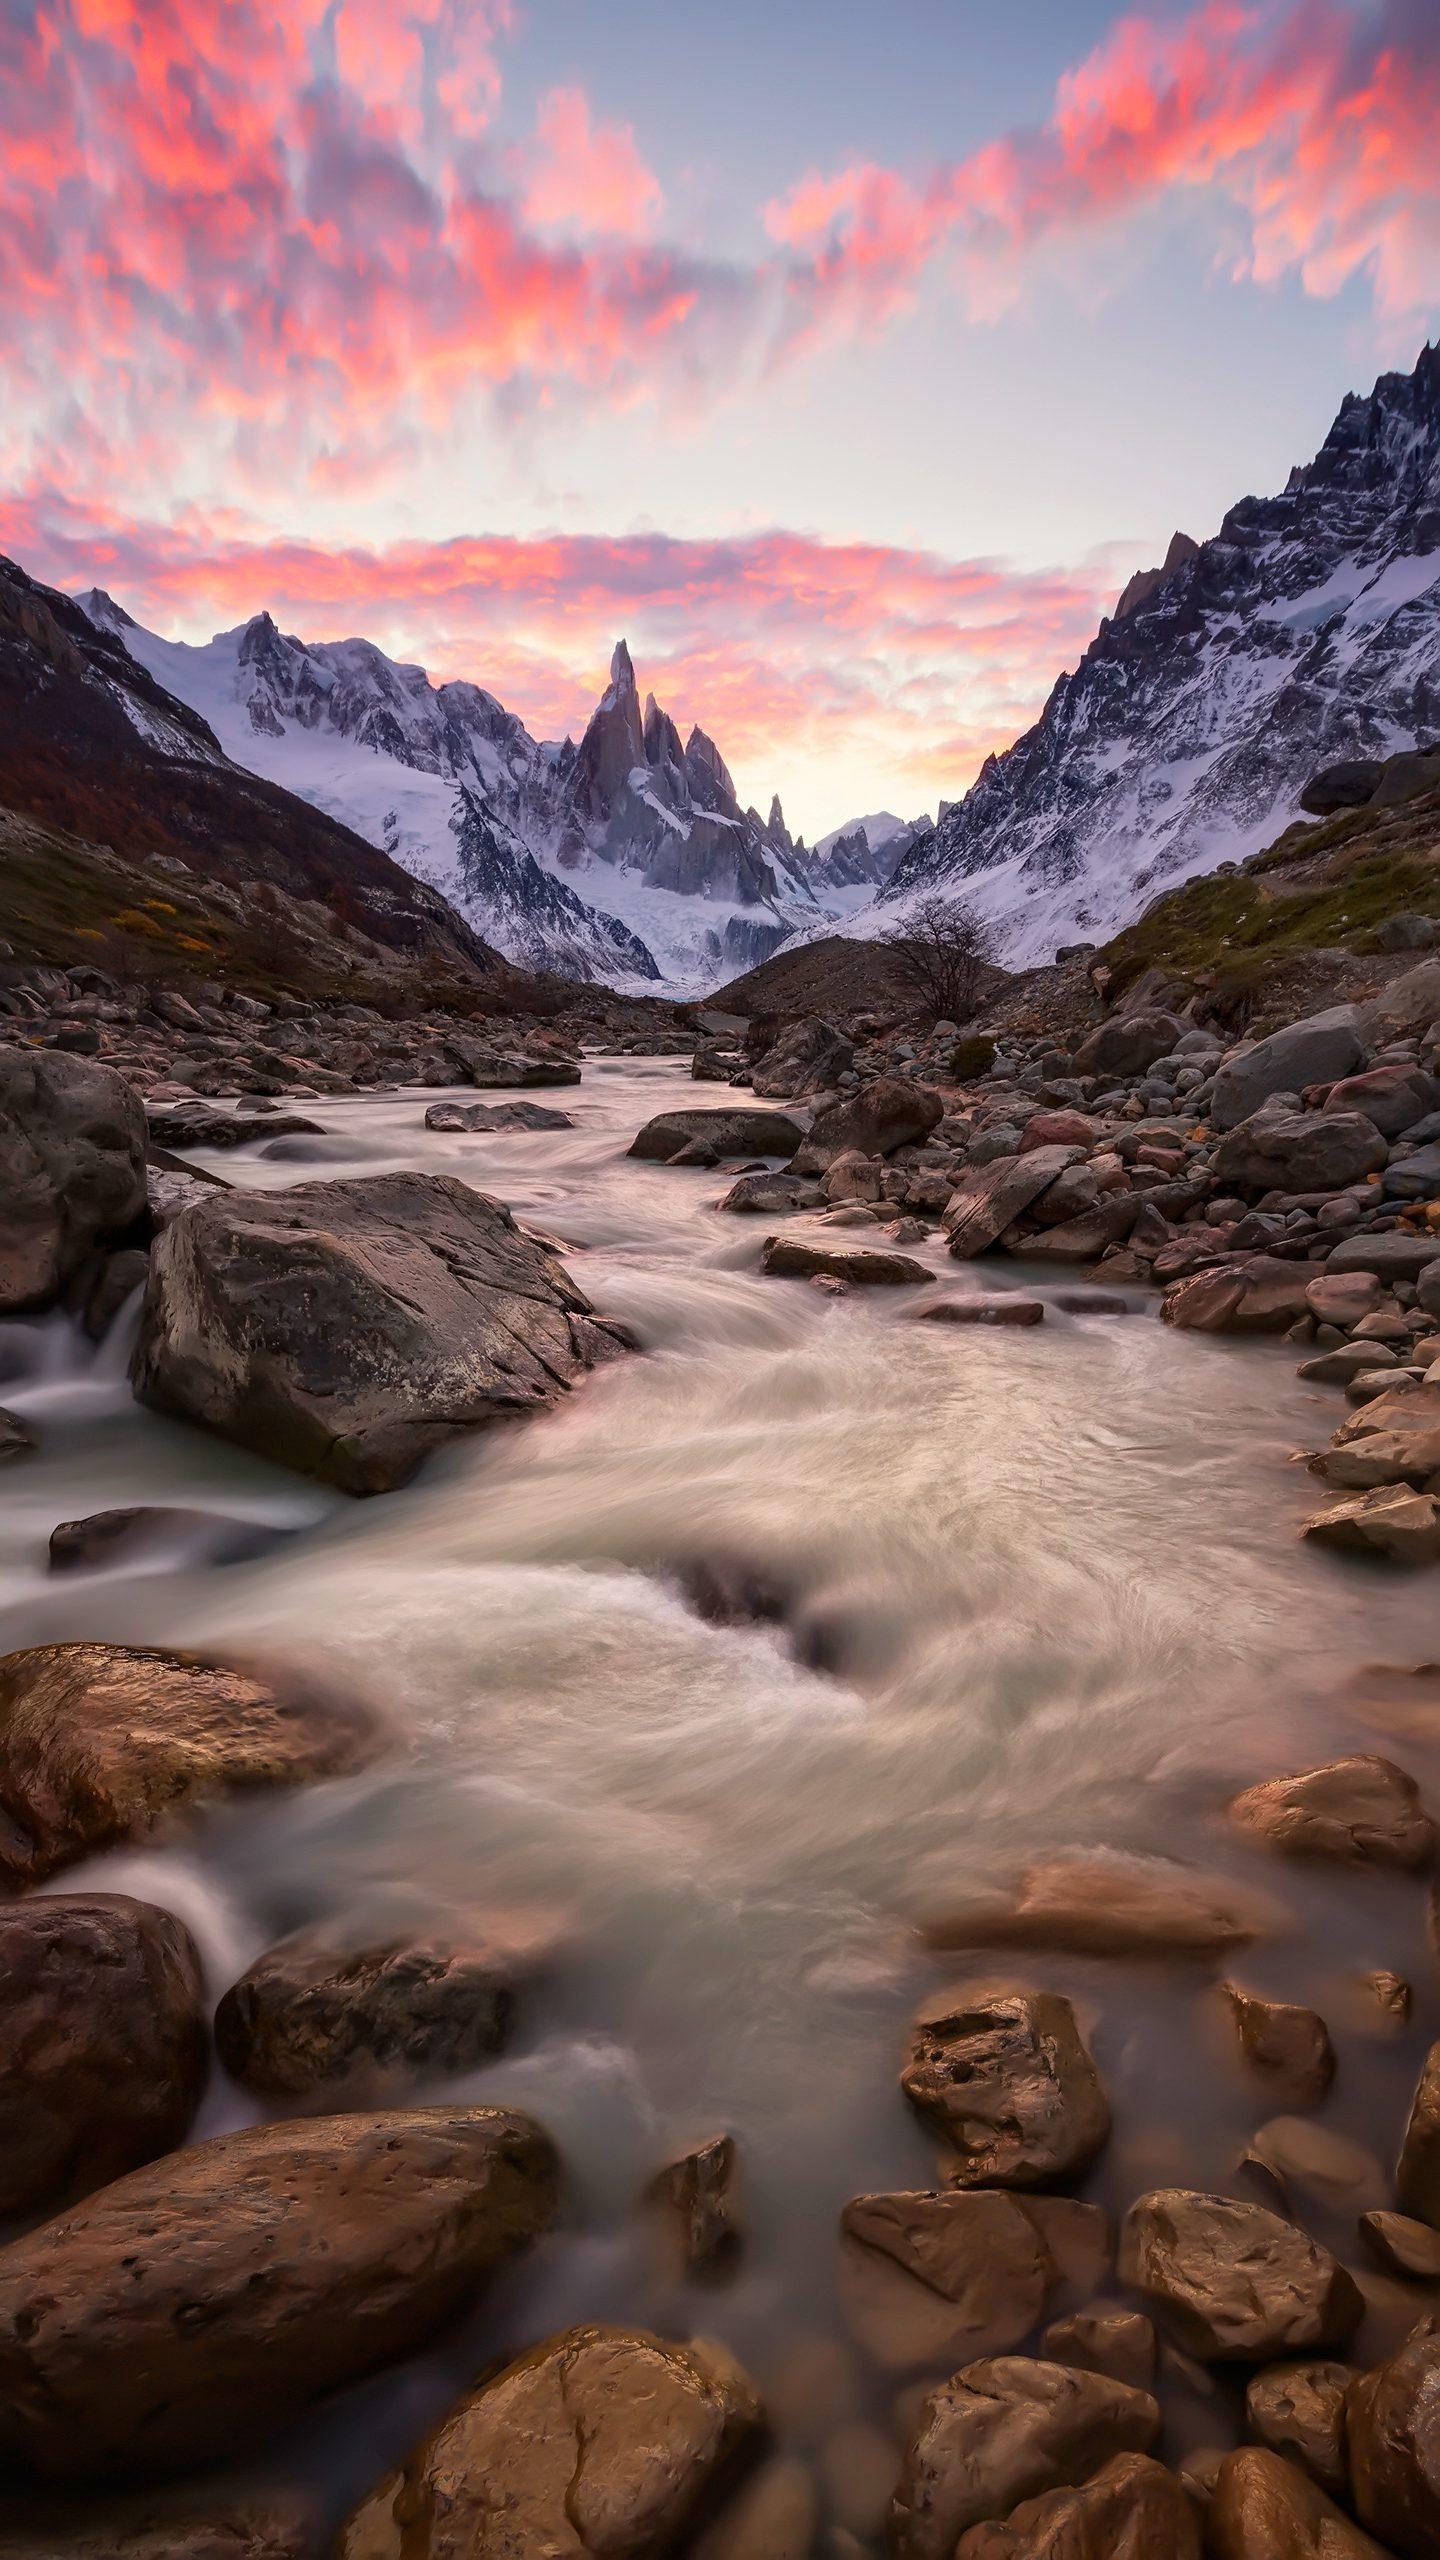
<point>622,673</point>
<point>1146,582</point>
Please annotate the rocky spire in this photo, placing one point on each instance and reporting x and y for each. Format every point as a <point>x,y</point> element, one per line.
<point>613,744</point>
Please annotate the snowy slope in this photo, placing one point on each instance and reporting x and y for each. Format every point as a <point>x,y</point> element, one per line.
<point>1308,629</point>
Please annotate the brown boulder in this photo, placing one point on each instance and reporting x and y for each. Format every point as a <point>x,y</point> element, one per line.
<point>1393,1522</point>
<point>944,2275</point>
<point>1003,2430</point>
<point>1127,1044</point>
<point>1403,2246</point>
<point>188,2527</point>
<point>72,1169</point>
<point>1289,2045</point>
<point>1298,2410</point>
<point>995,1194</point>
<point>599,2442</point>
<point>1118,2343</point>
<point>893,1112</point>
<point>1392,2434</point>
<point>1417,2174</point>
<point>1361,1811</point>
<point>733,1130</point>
<point>319,2012</point>
<point>1007,1310</point>
<point>1264,2509</point>
<point>199,2303</point>
<point>1258,1294</point>
<point>1106,1907</point>
<point>100,1742</point>
<point>1007,2080</point>
<point>1233,2282</point>
<point>1132,2510</point>
<point>103,2051</point>
<point>696,2195</point>
<point>1058,1129</point>
<point>787,1258</point>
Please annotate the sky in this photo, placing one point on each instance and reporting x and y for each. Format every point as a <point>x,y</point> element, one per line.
<point>845,359</point>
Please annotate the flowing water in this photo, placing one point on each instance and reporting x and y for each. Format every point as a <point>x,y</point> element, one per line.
<point>1033,1590</point>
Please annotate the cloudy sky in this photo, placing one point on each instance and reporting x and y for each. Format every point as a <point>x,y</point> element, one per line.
<point>845,358</point>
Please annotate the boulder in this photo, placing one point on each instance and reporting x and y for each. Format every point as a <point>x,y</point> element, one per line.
<point>996,1194</point>
<point>1006,2429</point>
<point>696,2196</point>
<point>1342,1298</point>
<point>893,1112</point>
<point>100,1742</point>
<point>1058,1129</point>
<point>496,1115</point>
<point>200,1124</point>
<point>1262,2508</point>
<point>1381,1458</point>
<point>1118,2343</point>
<point>16,1438</point>
<point>349,1328</point>
<point>1407,1004</point>
<point>733,1131</point>
<point>603,2441</point>
<point>1258,1294</point>
<point>1317,1050</point>
<point>1008,2082</point>
<point>198,2304</point>
<point>191,2526</point>
<point>1393,1097</point>
<point>1362,1811</point>
<point>1392,1256</point>
<point>1392,1521</point>
<point>1132,2510</point>
<point>1415,1176</point>
<point>1127,1044</point>
<point>950,2273</point>
<point>72,1169</point>
<point>1298,2410</point>
<point>1234,2283</point>
<point>1346,785</point>
<point>494,1068</point>
<point>1392,2434</point>
<point>770,1194</point>
<point>103,2033</point>
<point>1417,2174</point>
<point>159,1530</point>
<point>320,2011</point>
<point>787,1258</point>
<point>1009,1310</point>
<point>1403,2246</point>
<point>1299,1151</point>
<point>1289,2046</point>
<point>1098,1906</point>
<point>808,1056</point>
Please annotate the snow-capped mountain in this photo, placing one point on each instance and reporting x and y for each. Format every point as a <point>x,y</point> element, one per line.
<point>1307,630</point>
<point>627,858</point>
<point>862,855</point>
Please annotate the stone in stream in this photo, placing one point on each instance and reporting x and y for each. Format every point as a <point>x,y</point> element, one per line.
<point>1392,2434</point>
<point>497,1115</point>
<point>1258,1294</point>
<point>695,2194</point>
<point>197,2305</point>
<point>602,2440</point>
<point>1360,1811</point>
<point>200,1124</point>
<point>770,1193</point>
<point>72,1169</point>
<point>1006,2078</point>
<point>1133,2509</point>
<point>102,2028</point>
<point>1118,2343</point>
<point>16,1438</point>
<point>1393,1522</point>
<point>193,2525</point>
<point>349,1328</point>
<point>319,2011</point>
<point>1234,2283</point>
<point>944,2275</point>
<point>732,1131</point>
<point>1008,2428</point>
<point>1010,1310</point>
<point>788,1258</point>
<point>100,1742</point>
<point>1289,2045</point>
<point>1298,2410</point>
<point>1342,1297</point>
<point>1263,2508</point>
<point>893,1112</point>
<point>995,1194</point>
<point>1417,2174</point>
<point>187,1536</point>
<point>1108,1907</point>
<point>1403,2246</point>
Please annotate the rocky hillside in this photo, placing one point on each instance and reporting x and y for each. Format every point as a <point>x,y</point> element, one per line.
<point>1306,630</point>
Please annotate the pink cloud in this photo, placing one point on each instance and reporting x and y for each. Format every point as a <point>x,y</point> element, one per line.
<point>587,177</point>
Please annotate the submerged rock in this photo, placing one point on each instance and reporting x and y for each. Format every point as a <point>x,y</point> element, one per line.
<point>1009,1310</point>
<point>102,2028</point>
<point>1288,2044</point>
<point>734,1131</point>
<point>1008,2081</point>
<point>100,1742</point>
<point>1233,2282</point>
<point>1134,2509</point>
<point>893,1112</point>
<point>1118,2343</point>
<point>198,2304</point>
<point>950,2272</point>
<point>349,1328</point>
<point>16,1438</point>
<point>1393,1522</point>
<point>601,2441</point>
<point>316,2012</point>
<point>119,1537</point>
<point>72,1169</point>
<point>201,1124</point>
<point>497,1115</point>
<point>1361,1811</point>
<point>1108,1907</point>
<point>1004,2430</point>
<point>1403,2246</point>
<point>789,1258</point>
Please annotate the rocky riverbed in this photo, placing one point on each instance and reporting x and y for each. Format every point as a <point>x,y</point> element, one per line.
<point>813,1938</point>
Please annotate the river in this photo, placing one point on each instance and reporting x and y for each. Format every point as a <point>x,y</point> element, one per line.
<point>1039,1588</point>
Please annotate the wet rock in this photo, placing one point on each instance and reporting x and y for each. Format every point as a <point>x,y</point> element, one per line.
<point>188,2527</point>
<point>1299,1151</point>
<point>1106,1907</point>
<point>16,1438</point>
<point>807,1057</point>
<point>198,2304</point>
<point>200,1124</point>
<point>102,2029</point>
<point>1403,2246</point>
<point>1134,2509</point>
<point>493,1068</point>
<point>1233,2282</point>
<point>1127,1044</point>
<point>696,2194</point>
<point>735,1131</point>
<point>100,1742</point>
<point>72,1169</point>
<point>349,1328</point>
<point>1010,1310</point>
<point>950,2273</point>
<point>1256,1295</point>
<point>893,1112</point>
<point>1289,2045</point>
<point>1118,2343</point>
<point>787,1258</point>
<point>996,1194</point>
<point>770,1193</point>
<point>1362,1811</point>
<point>1318,1050</point>
<point>1004,2430</point>
<point>1007,2080</point>
<point>107,1538</point>
<point>1262,2508</point>
<point>1319,2166</point>
<point>1392,2431</point>
<point>497,1115</point>
<point>1417,2175</point>
<point>601,2444</point>
<point>1392,1522</point>
<point>316,2012</point>
<point>1298,2410</point>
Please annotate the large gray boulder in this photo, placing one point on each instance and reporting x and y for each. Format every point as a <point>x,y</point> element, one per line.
<point>996,1194</point>
<point>348,1328</point>
<point>1127,1044</point>
<point>1318,1050</point>
<point>1276,1150</point>
<point>72,1169</point>
<point>807,1056</point>
<point>893,1112</point>
<point>731,1131</point>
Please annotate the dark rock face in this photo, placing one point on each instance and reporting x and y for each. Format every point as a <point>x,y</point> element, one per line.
<point>806,1057</point>
<point>349,1328</point>
<point>1002,2431</point>
<point>191,2526</point>
<point>888,1114</point>
<point>313,2014</point>
<point>497,1115</point>
<point>101,1742</point>
<point>599,2441</point>
<point>72,1169</point>
<point>118,1537</point>
<point>204,1124</point>
<point>733,1132</point>
<point>198,2304</point>
<point>1299,1151</point>
<point>102,2035</point>
<point>1233,2282</point>
<point>695,2195</point>
<point>1010,2084</point>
